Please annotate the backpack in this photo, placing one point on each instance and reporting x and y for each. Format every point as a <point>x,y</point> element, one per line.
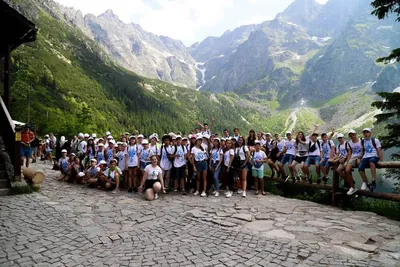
<point>372,141</point>
<point>169,156</point>
<point>236,159</point>
<point>312,148</point>
<point>347,146</point>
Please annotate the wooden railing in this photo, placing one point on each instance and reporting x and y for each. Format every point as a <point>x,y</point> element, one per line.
<point>336,191</point>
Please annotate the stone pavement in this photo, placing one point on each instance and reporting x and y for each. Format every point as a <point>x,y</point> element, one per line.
<point>70,225</point>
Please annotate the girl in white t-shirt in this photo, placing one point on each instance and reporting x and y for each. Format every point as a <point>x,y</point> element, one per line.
<point>259,158</point>
<point>122,156</point>
<point>244,153</point>
<point>215,164</point>
<point>227,170</point>
<point>152,181</point>
<point>132,161</point>
<point>199,161</point>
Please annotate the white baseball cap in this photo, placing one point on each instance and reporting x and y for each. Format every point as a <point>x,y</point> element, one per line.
<point>178,137</point>
<point>288,132</point>
<point>102,162</point>
<point>108,133</point>
<point>268,134</point>
<point>101,144</point>
<point>80,135</point>
<point>64,151</point>
<point>199,138</point>
<point>86,135</point>
<point>111,142</point>
<point>367,130</point>
<point>257,142</point>
<point>93,160</point>
<point>110,137</point>
<point>352,131</point>
<point>140,136</point>
<point>206,136</point>
<point>145,142</point>
<point>94,135</point>
<point>340,135</point>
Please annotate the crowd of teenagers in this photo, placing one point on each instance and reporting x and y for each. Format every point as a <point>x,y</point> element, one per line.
<point>207,162</point>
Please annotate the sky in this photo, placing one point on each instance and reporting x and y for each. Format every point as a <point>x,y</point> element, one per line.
<point>186,20</point>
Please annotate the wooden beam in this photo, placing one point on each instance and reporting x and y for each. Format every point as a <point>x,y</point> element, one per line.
<point>299,184</point>
<point>386,196</point>
<point>389,164</point>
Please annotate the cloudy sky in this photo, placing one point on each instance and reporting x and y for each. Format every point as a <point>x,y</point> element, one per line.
<point>186,20</point>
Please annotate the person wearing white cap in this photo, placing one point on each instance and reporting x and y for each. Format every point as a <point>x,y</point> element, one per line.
<point>353,160</point>
<point>110,152</point>
<point>314,158</point>
<point>199,162</point>
<point>76,169</point>
<point>342,150</point>
<point>152,182</point>
<point>328,151</point>
<point>92,171</point>
<point>139,140</point>
<point>63,163</point>
<point>259,158</point>
<point>108,133</point>
<point>154,146</point>
<point>370,155</point>
<point>180,156</point>
<point>86,135</point>
<point>216,156</point>
<point>144,155</point>
<point>122,156</point>
<point>166,158</point>
<point>82,147</point>
<point>289,153</point>
<point>100,154</point>
<point>48,149</point>
<point>132,162</point>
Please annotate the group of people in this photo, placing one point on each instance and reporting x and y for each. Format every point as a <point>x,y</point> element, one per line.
<point>204,160</point>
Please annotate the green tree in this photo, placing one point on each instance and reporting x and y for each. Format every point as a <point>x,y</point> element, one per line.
<point>390,104</point>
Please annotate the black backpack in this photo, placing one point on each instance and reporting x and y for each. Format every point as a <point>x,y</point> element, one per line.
<point>346,145</point>
<point>236,159</point>
<point>372,141</point>
<point>168,154</point>
<point>312,148</point>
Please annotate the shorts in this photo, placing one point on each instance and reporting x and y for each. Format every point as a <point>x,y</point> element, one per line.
<point>245,167</point>
<point>258,173</point>
<point>300,159</point>
<point>313,160</point>
<point>144,164</point>
<point>325,163</point>
<point>149,184</point>
<point>288,158</point>
<point>341,167</point>
<point>365,163</point>
<point>26,151</point>
<point>353,162</point>
<point>201,166</point>
<point>180,172</point>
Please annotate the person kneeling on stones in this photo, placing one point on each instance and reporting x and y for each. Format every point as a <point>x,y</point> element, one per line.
<point>152,180</point>
<point>111,177</point>
<point>92,172</point>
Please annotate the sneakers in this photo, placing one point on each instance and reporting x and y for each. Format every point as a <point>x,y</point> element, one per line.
<point>372,186</point>
<point>244,194</point>
<point>203,194</point>
<point>191,191</point>
<point>196,193</point>
<point>240,191</point>
<point>115,191</point>
<point>256,193</point>
<point>156,196</point>
<point>229,194</point>
<point>183,192</point>
<point>351,191</point>
<point>216,194</point>
<point>364,186</point>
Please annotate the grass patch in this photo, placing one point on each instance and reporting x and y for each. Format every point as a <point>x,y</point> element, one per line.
<point>23,189</point>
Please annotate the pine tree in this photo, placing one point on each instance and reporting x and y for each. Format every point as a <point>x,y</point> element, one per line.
<point>390,103</point>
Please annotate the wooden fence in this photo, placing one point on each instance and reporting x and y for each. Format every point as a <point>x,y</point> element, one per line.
<point>338,192</point>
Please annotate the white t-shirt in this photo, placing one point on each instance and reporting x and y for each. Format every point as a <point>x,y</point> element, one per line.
<point>342,149</point>
<point>216,154</point>
<point>290,146</point>
<point>317,151</point>
<point>280,145</point>
<point>121,159</point>
<point>205,146</point>
<point>110,155</point>
<point>92,171</point>
<point>82,146</point>
<point>63,163</point>
<point>179,162</point>
<point>165,163</point>
<point>355,148</point>
<point>242,152</point>
<point>145,154</point>
<point>111,174</point>
<point>370,150</point>
<point>262,142</point>
<point>48,148</point>
<point>327,147</point>
<point>260,155</point>
<point>199,155</point>
<point>152,173</point>
<point>100,155</point>
<point>132,156</point>
<point>269,144</point>
<point>227,156</point>
<point>155,150</point>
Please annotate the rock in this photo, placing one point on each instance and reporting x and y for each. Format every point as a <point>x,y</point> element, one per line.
<point>353,252</point>
<point>114,237</point>
<point>242,216</point>
<point>284,210</point>
<point>224,214</point>
<point>52,203</point>
<point>341,228</point>
<point>224,223</point>
<point>355,221</point>
<point>362,247</point>
<point>260,226</point>
<point>280,219</point>
<point>309,237</point>
<point>318,223</point>
<point>85,221</point>
<point>347,237</point>
<point>302,229</point>
<point>263,217</point>
<point>279,234</point>
<point>126,212</point>
<point>93,231</point>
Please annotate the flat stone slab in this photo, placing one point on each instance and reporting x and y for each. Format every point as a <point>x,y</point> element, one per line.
<point>280,234</point>
<point>296,228</point>
<point>355,221</point>
<point>263,217</point>
<point>261,226</point>
<point>224,214</point>
<point>357,254</point>
<point>318,223</point>
<point>242,216</point>
<point>284,210</point>
<point>362,247</point>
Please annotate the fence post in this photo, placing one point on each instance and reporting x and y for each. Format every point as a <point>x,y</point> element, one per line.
<point>335,187</point>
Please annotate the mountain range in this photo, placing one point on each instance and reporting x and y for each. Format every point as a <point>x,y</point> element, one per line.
<point>311,64</point>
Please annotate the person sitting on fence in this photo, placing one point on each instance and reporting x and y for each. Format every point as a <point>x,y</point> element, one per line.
<point>370,155</point>
<point>353,160</point>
